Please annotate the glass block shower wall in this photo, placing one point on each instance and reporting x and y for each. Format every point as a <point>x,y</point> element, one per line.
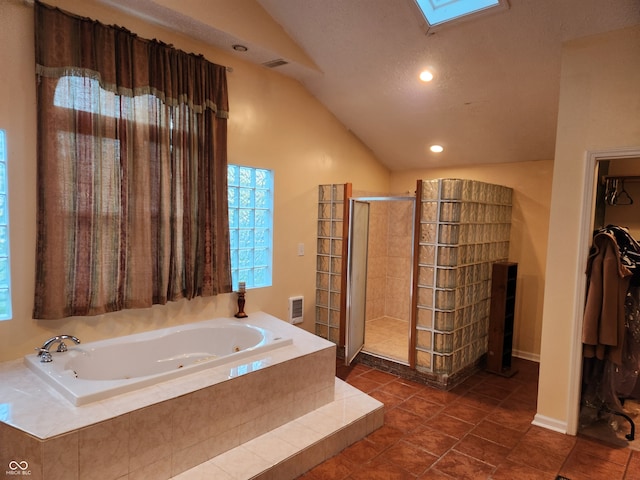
<point>329,261</point>
<point>464,229</point>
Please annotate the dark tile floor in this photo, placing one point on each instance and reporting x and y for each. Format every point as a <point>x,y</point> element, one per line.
<point>479,430</point>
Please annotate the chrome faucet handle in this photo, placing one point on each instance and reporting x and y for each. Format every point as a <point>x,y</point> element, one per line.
<point>62,347</point>
<point>67,337</point>
<point>44,354</point>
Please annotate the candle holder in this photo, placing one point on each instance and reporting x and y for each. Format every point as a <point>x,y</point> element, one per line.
<point>241,301</point>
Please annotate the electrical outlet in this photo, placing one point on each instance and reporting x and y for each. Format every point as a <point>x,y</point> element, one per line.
<point>300,249</point>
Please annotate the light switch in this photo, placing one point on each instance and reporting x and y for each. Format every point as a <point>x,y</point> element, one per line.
<point>300,249</point>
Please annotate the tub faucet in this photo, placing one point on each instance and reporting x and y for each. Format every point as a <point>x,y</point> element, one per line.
<point>45,354</point>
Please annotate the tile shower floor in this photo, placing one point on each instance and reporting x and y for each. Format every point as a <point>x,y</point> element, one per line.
<point>479,430</point>
<point>387,337</point>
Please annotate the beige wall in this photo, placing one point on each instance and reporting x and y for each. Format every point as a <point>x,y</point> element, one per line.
<point>599,110</point>
<point>531,183</point>
<point>275,123</point>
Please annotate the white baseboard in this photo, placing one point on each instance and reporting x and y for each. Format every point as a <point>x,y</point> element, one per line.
<point>550,423</point>
<point>534,357</point>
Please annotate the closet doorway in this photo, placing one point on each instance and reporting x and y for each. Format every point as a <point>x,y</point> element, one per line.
<point>614,193</point>
<point>383,315</point>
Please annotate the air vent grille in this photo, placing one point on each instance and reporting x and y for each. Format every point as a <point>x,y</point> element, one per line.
<point>296,309</point>
<point>275,63</point>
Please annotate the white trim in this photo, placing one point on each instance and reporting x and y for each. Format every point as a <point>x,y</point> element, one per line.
<point>549,423</point>
<point>584,242</point>
<point>533,357</point>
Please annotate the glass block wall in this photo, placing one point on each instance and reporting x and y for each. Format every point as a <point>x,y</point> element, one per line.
<point>329,261</point>
<point>464,229</point>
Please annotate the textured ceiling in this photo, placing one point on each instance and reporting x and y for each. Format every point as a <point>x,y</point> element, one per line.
<point>495,94</point>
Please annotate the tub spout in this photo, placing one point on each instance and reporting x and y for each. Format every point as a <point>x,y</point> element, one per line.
<point>44,352</point>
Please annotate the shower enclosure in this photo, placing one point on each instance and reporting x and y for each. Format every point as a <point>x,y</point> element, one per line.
<point>426,273</point>
<point>387,262</point>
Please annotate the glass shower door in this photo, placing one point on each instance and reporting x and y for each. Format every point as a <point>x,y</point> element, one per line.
<point>356,278</point>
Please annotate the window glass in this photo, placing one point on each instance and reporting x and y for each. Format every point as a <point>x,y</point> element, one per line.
<point>250,225</point>
<point>5,270</point>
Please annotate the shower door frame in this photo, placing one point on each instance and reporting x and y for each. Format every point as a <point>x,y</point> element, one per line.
<point>411,355</point>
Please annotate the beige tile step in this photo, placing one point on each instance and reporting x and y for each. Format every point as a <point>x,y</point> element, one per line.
<point>292,449</point>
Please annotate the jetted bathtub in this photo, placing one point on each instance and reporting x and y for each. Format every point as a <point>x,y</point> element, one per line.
<point>98,370</point>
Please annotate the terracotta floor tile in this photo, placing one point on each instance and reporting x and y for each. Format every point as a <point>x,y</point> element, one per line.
<point>506,383</point>
<point>462,467</point>
<point>461,389</point>
<point>524,398</point>
<point>400,388</point>
<point>483,450</point>
<point>344,372</point>
<point>580,464</point>
<point>515,471</point>
<point>492,391</point>
<point>360,452</point>
<point>363,384</point>
<point>430,440</point>
<point>434,474</point>
<point>380,470</point>
<point>378,376</point>
<point>408,457</point>
<point>633,468</point>
<point>336,468</point>
<point>452,426</point>
<point>499,434</point>
<point>385,436</point>
<point>515,417</point>
<point>387,398</point>
<point>465,412</point>
<point>479,401</point>
<point>552,441</point>
<point>421,407</point>
<point>437,396</point>
<point>602,450</point>
<point>537,457</point>
<point>402,419</point>
<point>481,429</point>
<point>308,476</point>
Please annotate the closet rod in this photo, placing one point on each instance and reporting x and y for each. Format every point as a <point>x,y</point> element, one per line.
<point>626,178</point>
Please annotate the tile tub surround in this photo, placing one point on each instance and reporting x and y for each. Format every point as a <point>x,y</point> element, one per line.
<point>290,450</point>
<point>177,424</point>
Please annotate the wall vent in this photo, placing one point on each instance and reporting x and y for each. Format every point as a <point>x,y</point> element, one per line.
<point>278,62</point>
<point>296,309</point>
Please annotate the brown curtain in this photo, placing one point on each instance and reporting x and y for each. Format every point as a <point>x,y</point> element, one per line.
<point>132,170</point>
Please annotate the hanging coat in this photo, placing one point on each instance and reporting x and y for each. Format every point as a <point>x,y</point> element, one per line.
<point>603,329</point>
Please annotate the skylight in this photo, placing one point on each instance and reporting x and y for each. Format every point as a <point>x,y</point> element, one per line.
<point>437,12</point>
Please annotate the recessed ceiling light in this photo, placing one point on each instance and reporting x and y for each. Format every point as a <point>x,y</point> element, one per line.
<point>240,48</point>
<point>436,148</point>
<point>426,76</point>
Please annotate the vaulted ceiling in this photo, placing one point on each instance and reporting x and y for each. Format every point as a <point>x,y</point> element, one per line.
<point>494,97</point>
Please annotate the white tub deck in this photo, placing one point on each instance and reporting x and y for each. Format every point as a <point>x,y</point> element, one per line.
<point>99,370</point>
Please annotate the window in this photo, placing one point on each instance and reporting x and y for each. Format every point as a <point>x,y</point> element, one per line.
<point>5,270</point>
<point>437,12</point>
<point>250,225</point>
<point>132,164</point>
